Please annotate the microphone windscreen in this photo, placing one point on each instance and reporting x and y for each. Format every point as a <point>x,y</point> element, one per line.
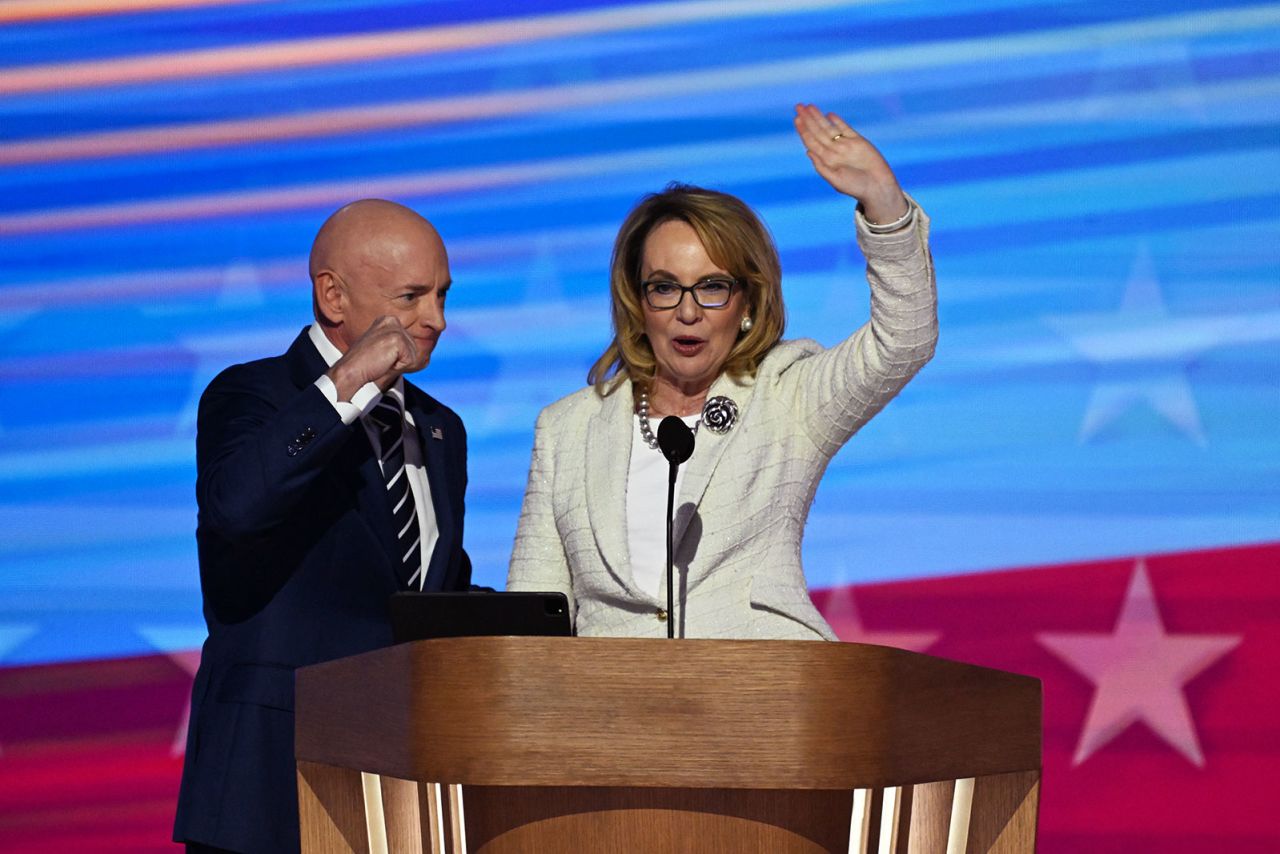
<point>675,440</point>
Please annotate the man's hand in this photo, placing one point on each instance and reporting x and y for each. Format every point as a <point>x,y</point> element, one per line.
<point>380,356</point>
<point>850,163</point>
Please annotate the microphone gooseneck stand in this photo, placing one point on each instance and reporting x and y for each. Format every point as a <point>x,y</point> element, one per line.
<point>675,440</point>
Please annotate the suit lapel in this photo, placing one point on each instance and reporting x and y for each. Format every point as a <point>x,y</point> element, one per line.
<point>608,461</point>
<point>434,444</point>
<point>304,360</point>
<point>709,449</point>
<point>364,477</point>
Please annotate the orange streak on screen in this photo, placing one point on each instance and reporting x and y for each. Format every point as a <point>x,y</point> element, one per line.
<point>19,11</point>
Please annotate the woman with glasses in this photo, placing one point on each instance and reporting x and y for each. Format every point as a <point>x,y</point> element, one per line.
<point>698,321</point>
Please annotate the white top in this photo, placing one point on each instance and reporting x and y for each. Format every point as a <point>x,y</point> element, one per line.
<point>647,507</point>
<point>362,403</point>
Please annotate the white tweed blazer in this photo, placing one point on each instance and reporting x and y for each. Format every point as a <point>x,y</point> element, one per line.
<point>741,511</point>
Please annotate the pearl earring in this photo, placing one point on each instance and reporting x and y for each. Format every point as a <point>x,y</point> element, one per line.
<point>746,324</point>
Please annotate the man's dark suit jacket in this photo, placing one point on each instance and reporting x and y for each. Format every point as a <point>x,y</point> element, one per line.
<point>296,564</point>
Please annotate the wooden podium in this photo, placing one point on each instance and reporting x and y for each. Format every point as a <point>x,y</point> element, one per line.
<point>620,744</point>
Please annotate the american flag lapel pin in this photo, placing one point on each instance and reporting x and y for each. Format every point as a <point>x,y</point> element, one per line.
<point>437,433</point>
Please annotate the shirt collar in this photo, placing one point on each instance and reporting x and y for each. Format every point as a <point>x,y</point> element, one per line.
<point>328,351</point>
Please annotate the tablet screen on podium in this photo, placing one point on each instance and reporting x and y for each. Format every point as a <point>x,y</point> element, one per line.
<point>421,616</point>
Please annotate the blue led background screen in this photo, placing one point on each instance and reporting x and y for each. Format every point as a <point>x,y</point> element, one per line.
<point>1103,180</point>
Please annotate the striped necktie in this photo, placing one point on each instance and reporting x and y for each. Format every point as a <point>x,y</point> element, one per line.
<point>404,516</point>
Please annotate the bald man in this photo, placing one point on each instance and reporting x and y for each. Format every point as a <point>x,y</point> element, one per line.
<point>325,483</point>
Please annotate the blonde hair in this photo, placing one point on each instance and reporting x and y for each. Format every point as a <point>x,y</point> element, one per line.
<point>735,239</point>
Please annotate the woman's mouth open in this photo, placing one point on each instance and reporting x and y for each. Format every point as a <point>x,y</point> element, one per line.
<point>688,345</point>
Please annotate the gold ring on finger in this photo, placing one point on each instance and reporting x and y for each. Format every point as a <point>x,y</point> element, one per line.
<point>837,136</point>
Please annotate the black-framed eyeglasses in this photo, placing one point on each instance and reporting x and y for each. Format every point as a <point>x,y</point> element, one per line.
<point>713,292</point>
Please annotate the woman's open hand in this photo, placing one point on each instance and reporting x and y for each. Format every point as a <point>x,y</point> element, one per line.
<point>850,163</point>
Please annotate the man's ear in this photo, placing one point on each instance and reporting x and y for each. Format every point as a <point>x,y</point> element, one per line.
<point>330,298</point>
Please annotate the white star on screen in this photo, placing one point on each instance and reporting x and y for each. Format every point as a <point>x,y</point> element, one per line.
<point>1138,671</point>
<point>1141,353</point>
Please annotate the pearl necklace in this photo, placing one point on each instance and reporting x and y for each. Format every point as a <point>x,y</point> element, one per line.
<point>646,431</point>
<point>719,413</point>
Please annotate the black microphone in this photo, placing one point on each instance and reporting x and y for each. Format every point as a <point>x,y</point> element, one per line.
<point>675,440</point>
